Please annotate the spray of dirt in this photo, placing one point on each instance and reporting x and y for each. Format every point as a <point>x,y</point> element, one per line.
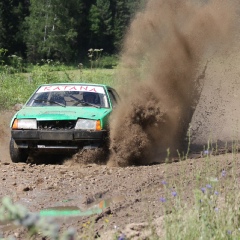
<point>161,57</point>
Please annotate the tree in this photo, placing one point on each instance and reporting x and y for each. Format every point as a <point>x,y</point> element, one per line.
<point>121,19</point>
<point>123,12</point>
<point>52,29</point>
<point>63,30</point>
<point>101,25</point>
<point>12,14</point>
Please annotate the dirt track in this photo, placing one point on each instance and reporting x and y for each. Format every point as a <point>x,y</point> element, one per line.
<point>131,195</point>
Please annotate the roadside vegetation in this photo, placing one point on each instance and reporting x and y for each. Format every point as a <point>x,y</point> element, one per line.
<point>18,81</point>
<point>203,203</point>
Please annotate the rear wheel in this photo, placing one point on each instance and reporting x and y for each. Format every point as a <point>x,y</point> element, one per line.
<point>17,154</point>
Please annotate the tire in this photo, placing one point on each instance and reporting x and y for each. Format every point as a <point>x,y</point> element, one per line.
<point>17,154</point>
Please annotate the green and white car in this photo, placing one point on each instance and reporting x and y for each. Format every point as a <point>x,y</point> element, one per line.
<point>62,116</point>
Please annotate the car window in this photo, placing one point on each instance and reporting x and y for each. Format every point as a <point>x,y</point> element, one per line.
<point>54,96</point>
<point>112,97</point>
<point>115,95</point>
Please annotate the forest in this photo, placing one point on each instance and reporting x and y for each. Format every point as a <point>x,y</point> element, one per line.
<point>63,30</point>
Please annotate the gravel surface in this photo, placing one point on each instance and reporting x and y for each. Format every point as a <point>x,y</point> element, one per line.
<point>130,197</point>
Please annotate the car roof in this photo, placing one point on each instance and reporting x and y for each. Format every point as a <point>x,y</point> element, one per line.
<point>72,83</point>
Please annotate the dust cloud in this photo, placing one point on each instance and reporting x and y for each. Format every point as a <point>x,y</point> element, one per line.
<point>161,73</point>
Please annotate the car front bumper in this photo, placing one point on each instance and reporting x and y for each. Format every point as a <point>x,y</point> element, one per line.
<point>71,139</point>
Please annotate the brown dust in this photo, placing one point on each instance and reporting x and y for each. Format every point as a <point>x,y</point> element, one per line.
<point>161,72</point>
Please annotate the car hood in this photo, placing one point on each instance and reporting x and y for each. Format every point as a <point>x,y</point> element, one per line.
<point>62,113</point>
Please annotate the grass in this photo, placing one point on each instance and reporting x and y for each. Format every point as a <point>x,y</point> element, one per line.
<point>203,201</point>
<point>18,81</point>
<point>17,87</point>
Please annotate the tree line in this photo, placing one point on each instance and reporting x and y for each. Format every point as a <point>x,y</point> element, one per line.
<point>63,30</point>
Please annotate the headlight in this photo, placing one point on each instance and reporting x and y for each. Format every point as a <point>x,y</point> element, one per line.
<point>24,124</point>
<point>87,124</point>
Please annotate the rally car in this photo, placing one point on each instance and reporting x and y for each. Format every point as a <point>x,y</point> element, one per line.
<point>62,117</point>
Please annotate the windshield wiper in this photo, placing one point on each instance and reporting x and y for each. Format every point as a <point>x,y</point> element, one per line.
<point>50,101</point>
<point>83,102</point>
<point>91,104</point>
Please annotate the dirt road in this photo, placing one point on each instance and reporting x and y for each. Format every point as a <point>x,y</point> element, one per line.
<point>130,197</point>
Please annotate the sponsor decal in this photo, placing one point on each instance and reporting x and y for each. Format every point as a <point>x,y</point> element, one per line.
<point>59,88</point>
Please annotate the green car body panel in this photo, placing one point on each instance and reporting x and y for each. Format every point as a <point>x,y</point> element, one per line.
<point>61,113</point>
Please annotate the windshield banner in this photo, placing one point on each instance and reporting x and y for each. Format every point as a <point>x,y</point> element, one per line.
<point>75,87</point>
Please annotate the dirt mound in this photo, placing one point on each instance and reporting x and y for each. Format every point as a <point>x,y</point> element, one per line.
<point>163,56</point>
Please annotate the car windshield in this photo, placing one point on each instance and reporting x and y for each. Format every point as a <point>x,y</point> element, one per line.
<point>69,95</point>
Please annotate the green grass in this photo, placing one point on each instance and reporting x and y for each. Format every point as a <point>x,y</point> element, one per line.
<point>203,201</point>
<point>17,87</point>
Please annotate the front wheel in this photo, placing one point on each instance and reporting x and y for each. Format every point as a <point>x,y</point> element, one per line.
<point>17,154</point>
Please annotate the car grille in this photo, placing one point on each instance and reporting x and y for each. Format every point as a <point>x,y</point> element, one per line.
<point>56,125</point>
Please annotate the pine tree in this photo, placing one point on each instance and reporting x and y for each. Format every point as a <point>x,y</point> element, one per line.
<point>52,29</point>
<point>123,12</point>
<point>101,25</point>
<point>12,13</point>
